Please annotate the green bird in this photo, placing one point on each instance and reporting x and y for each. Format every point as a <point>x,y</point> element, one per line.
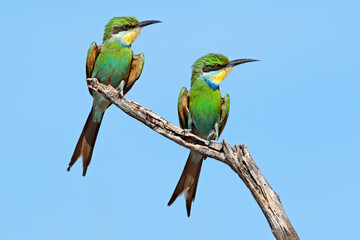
<point>203,112</point>
<point>111,63</point>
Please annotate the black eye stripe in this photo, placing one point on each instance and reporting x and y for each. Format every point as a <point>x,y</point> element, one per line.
<point>122,28</point>
<point>206,69</point>
<point>212,68</point>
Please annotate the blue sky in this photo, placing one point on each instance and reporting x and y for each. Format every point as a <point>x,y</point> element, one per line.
<point>297,110</point>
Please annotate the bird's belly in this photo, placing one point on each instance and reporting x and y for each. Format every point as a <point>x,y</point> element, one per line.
<point>204,118</point>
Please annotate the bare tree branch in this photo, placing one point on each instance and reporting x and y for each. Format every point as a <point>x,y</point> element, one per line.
<point>237,157</point>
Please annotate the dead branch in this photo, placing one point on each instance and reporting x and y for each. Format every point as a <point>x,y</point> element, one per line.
<point>237,157</point>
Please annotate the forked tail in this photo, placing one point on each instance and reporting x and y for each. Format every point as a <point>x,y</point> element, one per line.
<point>188,180</point>
<point>86,143</point>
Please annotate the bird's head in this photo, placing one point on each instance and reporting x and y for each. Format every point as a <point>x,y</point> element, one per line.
<point>213,68</point>
<point>125,29</point>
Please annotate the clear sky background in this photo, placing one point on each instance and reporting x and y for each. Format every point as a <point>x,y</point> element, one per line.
<point>297,110</point>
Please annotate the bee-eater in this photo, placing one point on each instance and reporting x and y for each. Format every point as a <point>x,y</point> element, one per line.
<point>111,63</point>
<point>204,112</point>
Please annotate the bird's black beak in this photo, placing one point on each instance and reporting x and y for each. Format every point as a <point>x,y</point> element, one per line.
<point>146,23</point>
<point>240,61</point>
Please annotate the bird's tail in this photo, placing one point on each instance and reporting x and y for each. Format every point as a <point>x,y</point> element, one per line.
<point>86,143</point>
<point>188,180</point>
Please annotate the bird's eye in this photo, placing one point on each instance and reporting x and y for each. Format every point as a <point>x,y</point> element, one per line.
<point>217,66</point>
<point>126,27</point>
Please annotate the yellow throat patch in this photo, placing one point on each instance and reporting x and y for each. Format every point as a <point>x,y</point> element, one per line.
<point>130,37</point>
<point>221,75</point>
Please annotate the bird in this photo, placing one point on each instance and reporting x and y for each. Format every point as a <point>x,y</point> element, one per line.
<point>113,63</point>
<point>203,112</point>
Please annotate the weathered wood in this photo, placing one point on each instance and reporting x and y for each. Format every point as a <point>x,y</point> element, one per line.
<point>237,157</point>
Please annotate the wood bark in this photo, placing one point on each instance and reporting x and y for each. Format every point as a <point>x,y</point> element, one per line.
<point>237,158</point>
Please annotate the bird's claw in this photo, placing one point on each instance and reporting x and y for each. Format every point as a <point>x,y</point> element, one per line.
<point>186,131</point>
<point>121,89</point>
<point>210,142</point>
<point>212,136</point>
<point>121,94</point>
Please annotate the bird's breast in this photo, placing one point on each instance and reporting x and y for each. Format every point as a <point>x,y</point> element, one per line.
<point>205,110</point>
<point>113,65</point>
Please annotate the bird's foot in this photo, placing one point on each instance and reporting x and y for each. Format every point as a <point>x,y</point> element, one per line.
<point>186,131</point>
<point>121,94</point>
<point>121,87</point>
<point>210,142</point>
<point>214,134</point>
<point>212,137</point>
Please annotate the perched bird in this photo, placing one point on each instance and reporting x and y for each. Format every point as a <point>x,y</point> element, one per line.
<point>111,63</point>
<point>203,112</point>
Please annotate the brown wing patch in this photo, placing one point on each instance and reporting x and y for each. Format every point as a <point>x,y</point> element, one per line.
<point>183,108</point>
<point>91,57</point>
<point>225,106</point>
<point>137,64</point>
<point>93,53</point>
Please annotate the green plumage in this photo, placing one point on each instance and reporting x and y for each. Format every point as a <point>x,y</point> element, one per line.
<point>205,102</point>
<point>112,65</point>
<point>205,107</point>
